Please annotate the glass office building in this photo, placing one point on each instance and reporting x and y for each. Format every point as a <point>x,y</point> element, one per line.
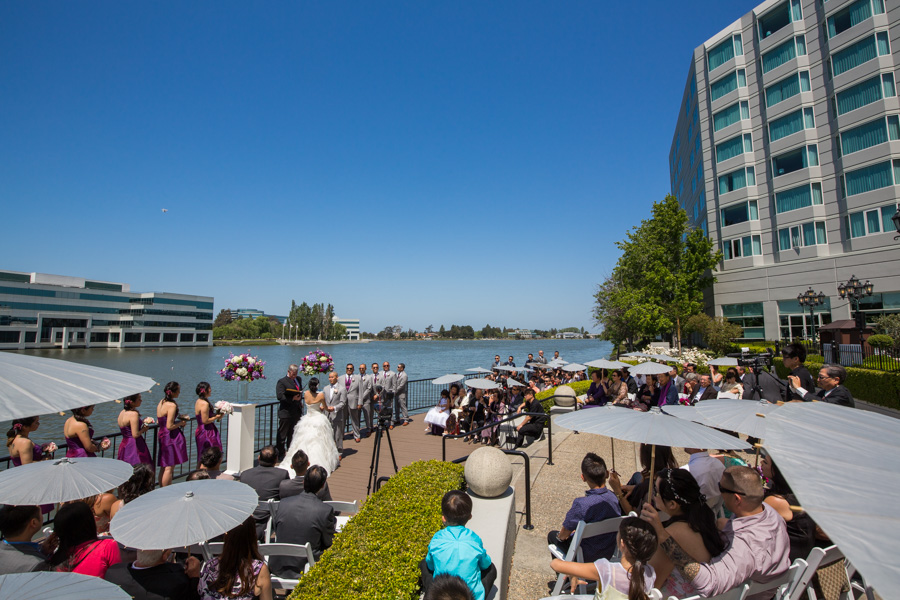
<point>787,153</point>
<point>55,311</point>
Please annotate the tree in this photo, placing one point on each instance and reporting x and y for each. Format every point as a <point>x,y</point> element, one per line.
<point>339,332</point>
<point>223,318</point>
<point>442,332</point>
<point>889,325</point>
<point>429,329</point>
<point>719,333</point>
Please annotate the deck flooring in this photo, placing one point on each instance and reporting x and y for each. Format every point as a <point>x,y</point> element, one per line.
<point>348,483</point>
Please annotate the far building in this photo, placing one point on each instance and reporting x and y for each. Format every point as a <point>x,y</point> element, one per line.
<point>351,325</point>
<point>252,313</point>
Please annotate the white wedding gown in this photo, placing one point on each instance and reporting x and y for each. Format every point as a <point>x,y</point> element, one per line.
<point>315,436</point>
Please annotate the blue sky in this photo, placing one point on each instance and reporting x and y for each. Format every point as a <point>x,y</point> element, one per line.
<point>412,163</point>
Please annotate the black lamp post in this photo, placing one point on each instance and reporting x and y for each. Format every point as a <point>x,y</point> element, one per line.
<point>896,220</point>
<point>810,299</point>
<point>854,291</point>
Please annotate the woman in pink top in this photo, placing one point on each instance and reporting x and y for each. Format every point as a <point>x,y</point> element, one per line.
<point>80,551</point>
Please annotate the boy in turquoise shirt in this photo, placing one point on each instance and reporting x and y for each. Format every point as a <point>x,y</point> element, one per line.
<point>457,550</point>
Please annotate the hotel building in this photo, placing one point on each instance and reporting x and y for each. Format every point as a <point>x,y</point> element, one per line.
<point>351,325</point>
<point>787,153</point>
<point>56,311</point>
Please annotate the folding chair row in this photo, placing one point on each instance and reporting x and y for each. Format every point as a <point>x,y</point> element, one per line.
<point>582,531</point>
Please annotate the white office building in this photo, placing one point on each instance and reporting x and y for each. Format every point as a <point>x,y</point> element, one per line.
<point>352,326</point>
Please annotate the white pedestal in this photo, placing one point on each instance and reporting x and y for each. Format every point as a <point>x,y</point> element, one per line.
<point>241,433</point>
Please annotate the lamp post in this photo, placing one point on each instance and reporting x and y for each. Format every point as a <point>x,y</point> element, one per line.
<point>854,291</point>
<point>811,300</point>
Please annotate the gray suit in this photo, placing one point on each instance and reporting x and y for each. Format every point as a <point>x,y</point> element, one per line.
<point>21,558</point>
<point>336,398</point>
<point>400,385</point>
<point>300,519</point>
<point>366,392</point>
<point>353,405</point>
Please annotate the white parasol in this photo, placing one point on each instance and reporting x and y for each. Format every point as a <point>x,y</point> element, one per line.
<point>450,378</point>
<point>649,368</point>
<point>482,384</point>
<point>53,586</point>
<point>61,480</point>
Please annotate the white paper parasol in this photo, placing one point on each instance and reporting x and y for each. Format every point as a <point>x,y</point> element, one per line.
<point>61,480</point>
<point>450,378</point>
<point>53,586</point>
<point>482,384</point>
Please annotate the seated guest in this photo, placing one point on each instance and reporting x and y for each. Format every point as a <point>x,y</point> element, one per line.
<point>292,487</point>
<point>693,525</point>
<point>152,572</point>
<point>80,551</point>
<point>596,394</point>
<point>801,529</point>
<point>707,471</point>
<point>632,383</point>
<point>677,379</point>
<point>668,389</point>
<point>19,554</point>
<point>531,425</point>
<point>102,508</point>
<point>265,479</point>
<point>756,540</point>
<point>516,397</point>
<point>732,386</point>
<point>140,482</point>
<point>633,495</point>
<point>448,587</point>
<point>198,475</point>
<point>647,395</point>
<point>831,378</point>
<point>239,573</point>
<point>211,462</point>
<point>617,390</point>
<point>598,503</point>
<point>436,418</point>
<point>706,391</point>
<point>457,550</point>
<point>304,518</point>
<point>691,384</point>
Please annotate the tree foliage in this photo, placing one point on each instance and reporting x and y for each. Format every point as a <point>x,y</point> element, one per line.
<point>719,333</point>
<point>889,325</point>
<point>223,318</point>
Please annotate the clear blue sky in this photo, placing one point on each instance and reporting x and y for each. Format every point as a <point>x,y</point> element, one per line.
<point>412,163</point>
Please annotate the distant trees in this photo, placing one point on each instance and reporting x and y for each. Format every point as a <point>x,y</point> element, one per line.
<point>260,328</point>
<point>314,322</point>
<point>223,318</point>
<point>719,333</point>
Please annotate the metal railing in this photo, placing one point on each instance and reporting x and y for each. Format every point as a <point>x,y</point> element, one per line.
<point>493,424</point>
<point>527,460</point>
<point>853,355</point>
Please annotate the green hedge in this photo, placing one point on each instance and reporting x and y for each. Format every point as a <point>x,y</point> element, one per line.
<point>377,554</point>
<point>580,387</point>
<point>877,387</point>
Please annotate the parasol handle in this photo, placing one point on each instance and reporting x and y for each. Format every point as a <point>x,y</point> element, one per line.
<point>652,477</point>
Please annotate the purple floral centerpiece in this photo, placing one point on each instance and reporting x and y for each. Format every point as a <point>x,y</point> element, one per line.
<point>316,362</point>
<point>243,367</point>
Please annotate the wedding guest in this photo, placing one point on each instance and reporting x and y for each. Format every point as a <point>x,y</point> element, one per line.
<point>530,425</point>
<point>292,487</point>
<point>140,482</point>
<point>668,389</point>
<point>18,554</point>
<point>153,573</point>
<point>648,394</point>
<point>732,388</point>
<point>598,504</point>
<point>172,447</point>
<point>207,434</point>
<point>596,394</point>
<point>133,447</point>
<point>801,529</point>
<point>617,390</point>
<point>831,378</point>
<point>707,471</point>
<point>633,494</point>
<point>239,573</point>
<point>23,451</point>
<point>706,391</point>
<point>101,506</point>
<point>80,551</point>
<point>436,418</point>
<point>265,479</point>
<point>211,462</point>
<point>78,433</point>
<point>717,378</point>
<point>448,587</point>
<point>302,519</point>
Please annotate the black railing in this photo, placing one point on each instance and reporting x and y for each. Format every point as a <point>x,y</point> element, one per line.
<point>861,356</point>
<point>493,424</point>
<point>527,460</point>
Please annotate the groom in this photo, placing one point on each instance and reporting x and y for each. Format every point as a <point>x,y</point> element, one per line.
<point>336,400</point>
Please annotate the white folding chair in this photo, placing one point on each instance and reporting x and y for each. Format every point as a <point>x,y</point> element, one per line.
<point>272,507</point>
<point>206,549</point>
<point>582,530</point>
<point>347,510</point>
<point>857,589</point>
<point>738,593</point>
<point>781,583</point>
<point>654,594</point>
<point>818,558</point>
<point>295,550</point>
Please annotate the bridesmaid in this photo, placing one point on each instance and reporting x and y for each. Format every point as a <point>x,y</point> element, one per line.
<point>133,448</point>
<point>172,447</point>
<point>78,433</point>
<point>23,451</point>
<point>207,434</point>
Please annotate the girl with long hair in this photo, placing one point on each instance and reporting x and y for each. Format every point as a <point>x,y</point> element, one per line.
<point>239,573</point>
<point>140,482</point>
<point>172,447</point>
<point>133,447</point>
<point>693,525</point>
<point>80,551</point>
<point>23,451</point>
<point>78,433</point>
<point>207,434</point>
<point>633,495</point>
<point>630,579</point>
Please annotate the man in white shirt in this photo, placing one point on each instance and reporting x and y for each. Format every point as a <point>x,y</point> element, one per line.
<point>707,471</point>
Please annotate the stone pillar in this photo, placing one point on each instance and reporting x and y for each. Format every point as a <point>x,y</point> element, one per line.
<point>241,433</point>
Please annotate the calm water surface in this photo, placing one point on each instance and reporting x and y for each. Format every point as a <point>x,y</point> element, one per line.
<point>188,366</point>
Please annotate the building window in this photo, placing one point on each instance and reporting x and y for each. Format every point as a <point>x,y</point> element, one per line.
<point>114,337</point>
<point>808,194</point>
<point>873,177</point>
<point>870,222</point>
<point>202,337</point>
<point>749,245</point>
<point>731,115</point>
<point>736,180</point>
<point>740,213</point>
<point>132,337</point>
<point>860,53</point>
<point>170,337</point>
<point>787,88</point>
<point>806,234</point>
<point>150,337</point>
<point>791,123</point>
<point>870,134</point>
<point>728,84</point>
<point>782,53</point>
<point>186,337</point>
<point>778,18</point>
<point>794,160</point>
<point>724,51</point>
<point>854,14</point>
<point>734,147</point>
<point>749,316</point>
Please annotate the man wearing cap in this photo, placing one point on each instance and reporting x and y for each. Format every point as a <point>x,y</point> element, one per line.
<point>758,544</point>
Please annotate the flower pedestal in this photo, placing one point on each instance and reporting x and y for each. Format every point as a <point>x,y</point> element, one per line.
<point>241,430</point>
<point>243,395</point>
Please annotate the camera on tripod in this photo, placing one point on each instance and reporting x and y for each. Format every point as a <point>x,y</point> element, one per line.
<point>756,361</point>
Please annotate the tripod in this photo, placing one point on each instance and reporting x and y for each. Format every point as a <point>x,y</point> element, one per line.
<point>383,428</point>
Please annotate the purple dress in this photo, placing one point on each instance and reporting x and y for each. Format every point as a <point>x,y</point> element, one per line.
<point>133,450</point>
<point>172,447</point>
<point>74,448</point>
<point>206,436</point>
<point>36,455</point>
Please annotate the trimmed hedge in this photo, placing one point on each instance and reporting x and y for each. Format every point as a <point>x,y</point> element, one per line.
<point>877,387</point>
<point>378,552</point>
<point>580,387</point>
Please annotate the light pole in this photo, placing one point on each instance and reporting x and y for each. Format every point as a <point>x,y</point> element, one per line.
<point>811,300</point>
<point>282,331</point>
<point>854,291</point>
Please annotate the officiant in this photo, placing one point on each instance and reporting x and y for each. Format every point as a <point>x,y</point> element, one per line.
<point>289,392</point>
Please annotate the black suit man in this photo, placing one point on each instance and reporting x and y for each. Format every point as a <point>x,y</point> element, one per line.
<point>154,574</point>
<point>265,479</point>
<point>831,378</point>
<point>288,390</point>
<point>292,487</point>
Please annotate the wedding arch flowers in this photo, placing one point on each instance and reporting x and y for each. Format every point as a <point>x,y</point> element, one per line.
<point>243,367</point>
<point>316,362</point>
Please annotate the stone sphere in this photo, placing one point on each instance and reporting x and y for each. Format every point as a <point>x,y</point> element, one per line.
<point>488,472</point>
<point>565,396</point>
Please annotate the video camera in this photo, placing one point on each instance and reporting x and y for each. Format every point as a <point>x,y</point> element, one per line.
<point>756,361</point>
<point>386,413</point>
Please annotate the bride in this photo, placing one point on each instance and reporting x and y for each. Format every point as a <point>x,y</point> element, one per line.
<point>313,434</point>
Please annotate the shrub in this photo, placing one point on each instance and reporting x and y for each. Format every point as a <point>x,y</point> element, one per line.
<point>877,387</point>
<point>880,363</point>
<point>378,552</point>
<point>580,387</point>
<point>880,341</point>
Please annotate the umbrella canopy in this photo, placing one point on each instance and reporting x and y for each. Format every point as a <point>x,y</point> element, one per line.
<point>32,385</point>
<point>482,384</point>
<point>183,514</point>
<point>689,413</point>
<point>636,355</point>
<point>653,427</point>
<point>514,383</point>
<point>555,364</point>
<point>445,379</point>
<point>814,444</point>
<point>663,358</point>
<point>52,586</point>
<point>511,369</point>
<point>61,480</point>
<point>602,363</point>
<point>573,367</point>
<point>478,370</point>
<point>725,361</point>
<point>738,415</point>
<point>649,368</point>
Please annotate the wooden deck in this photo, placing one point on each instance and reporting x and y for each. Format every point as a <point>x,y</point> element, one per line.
<point>410,443</point>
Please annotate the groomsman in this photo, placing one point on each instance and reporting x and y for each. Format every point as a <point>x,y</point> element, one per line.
<point>378,397</point>
<point>400,385</point>
<point>366,393</point>
<point>336,400</point>
<point>350,383</point>
<point>388,382</point>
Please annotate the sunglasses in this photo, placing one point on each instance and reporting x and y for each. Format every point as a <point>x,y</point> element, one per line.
<point>725,490</point>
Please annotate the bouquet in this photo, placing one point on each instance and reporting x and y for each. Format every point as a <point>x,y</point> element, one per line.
<point>49,448</point>
<point>684,400</point>
<point>316,362</point>
<point>224,407</point>
<point>148,421</point>
<point>243,367</point>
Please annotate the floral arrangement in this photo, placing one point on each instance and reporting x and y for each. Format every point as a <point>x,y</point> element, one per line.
<point>684,400</point>
<point>243,367</point>
<point>316,362</point>
<point>149,421</point>
<point>688,355</point>
<point>224,407</point>
<point>50,448</point>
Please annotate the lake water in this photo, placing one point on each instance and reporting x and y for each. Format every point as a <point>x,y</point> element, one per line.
<point>189,366</point>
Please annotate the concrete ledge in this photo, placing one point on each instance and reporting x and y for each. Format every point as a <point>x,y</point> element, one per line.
<point>494,520</point>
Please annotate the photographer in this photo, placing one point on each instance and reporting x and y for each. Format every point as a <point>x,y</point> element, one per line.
<point>794,355</point>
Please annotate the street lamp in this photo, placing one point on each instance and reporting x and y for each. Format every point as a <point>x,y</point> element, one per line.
<point>854,291</point>
<point>812,300</point>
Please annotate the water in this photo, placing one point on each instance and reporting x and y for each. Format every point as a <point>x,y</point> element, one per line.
<point>189,366</point>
